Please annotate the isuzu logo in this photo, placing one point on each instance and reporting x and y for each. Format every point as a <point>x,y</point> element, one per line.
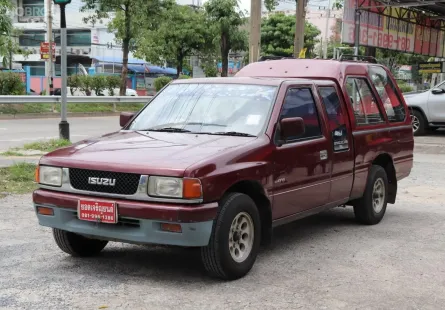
<point>101,181</point>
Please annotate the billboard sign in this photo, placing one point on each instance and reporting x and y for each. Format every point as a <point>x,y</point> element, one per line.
<point>431,67</point>
<point>392,28</point>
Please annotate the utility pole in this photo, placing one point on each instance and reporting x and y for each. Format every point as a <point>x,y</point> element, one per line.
<point>64,126</point>
<point>326,39</point>
<point>357,29</point>
<point>255,30</point>
<point>49,33</point>
<point>300,17</point>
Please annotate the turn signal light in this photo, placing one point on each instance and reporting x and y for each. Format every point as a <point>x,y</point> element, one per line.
<point>37,174</point>
<point>176,228</point>
<point>45,211</point>
<point>191,189</point>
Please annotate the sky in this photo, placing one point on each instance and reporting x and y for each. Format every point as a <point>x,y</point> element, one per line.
<point>284,5</point>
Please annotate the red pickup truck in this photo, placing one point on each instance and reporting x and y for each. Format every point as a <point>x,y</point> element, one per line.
<point>216,163</point>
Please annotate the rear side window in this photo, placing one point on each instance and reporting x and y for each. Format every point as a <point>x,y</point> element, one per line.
<point>299,102</point>
<point>388,94</point>
<point>363,102</point>
<point>336,118</point>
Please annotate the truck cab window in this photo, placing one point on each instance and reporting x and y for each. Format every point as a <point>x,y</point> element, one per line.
<point>364,104</point>
<point>388,94</point>
<point>299,102</point>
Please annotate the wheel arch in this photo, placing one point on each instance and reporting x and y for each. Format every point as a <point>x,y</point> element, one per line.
<point>256,192</point>
<point>386,162</point>
<point>419,109</point>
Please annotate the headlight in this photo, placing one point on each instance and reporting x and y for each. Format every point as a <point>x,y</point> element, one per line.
<point>50,176</point>
<point>174,188</point>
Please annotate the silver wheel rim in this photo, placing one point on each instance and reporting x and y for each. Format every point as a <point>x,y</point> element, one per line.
<point>415,123</point>
<point>378,195</point>
<point>241,237</point>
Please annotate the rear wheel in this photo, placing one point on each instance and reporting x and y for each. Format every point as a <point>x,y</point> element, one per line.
<point>371,208</point>
<point>77,245</point>
<point>235,239</point>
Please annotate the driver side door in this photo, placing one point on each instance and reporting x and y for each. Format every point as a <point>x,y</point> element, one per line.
<point>302,164</point>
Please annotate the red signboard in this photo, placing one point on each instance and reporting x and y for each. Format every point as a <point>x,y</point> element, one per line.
<point>393,28</point>
<point>97,211</point>
<point>44,50</point>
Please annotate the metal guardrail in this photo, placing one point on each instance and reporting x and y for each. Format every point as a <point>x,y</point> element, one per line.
<point>74,99</point>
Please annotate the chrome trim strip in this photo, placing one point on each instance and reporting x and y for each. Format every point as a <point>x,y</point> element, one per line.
<point>301,188</point>
<point>359,132</point>
<point>140,195</point>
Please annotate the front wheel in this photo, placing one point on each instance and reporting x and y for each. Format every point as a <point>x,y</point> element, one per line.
<point>77,245</point>
<point>235,239</point>
<point>371,208</point>
<point>418,123</point>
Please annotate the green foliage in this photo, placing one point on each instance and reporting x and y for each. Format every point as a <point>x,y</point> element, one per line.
<point>18,178</point>
<point>405,88</point>
<point>182,31</point>
<point>129,17</point>
<point>160,82</point>
<point>85,84</point>
<point>98,84</point>
<point>11,84</point>
<point>47,146</point>
<point>277,35</point>
<point>210,71</point>
<point>225,19</point>
<point>73,83</point>
<point>184,77</point>
<point>113,81</point>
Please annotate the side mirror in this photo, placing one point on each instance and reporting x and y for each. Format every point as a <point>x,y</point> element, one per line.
<point>125,117</point>
<point>437,91</point>
<point>291,127</point>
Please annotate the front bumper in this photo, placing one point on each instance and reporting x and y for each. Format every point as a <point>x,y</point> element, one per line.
<point>139,222</point>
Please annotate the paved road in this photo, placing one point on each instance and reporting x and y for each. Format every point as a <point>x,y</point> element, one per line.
<point>18,132</point>
<point>324,262</point>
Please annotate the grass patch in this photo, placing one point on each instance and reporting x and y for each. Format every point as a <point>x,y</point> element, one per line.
<point>72,107</point>
<point>17,179</point>
<point>12,152</point>
<point>46,146</point>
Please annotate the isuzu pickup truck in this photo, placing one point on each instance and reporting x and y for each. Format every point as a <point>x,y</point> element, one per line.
<point>216,163</point>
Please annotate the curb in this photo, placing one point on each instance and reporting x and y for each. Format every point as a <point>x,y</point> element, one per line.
<point>56,115</point>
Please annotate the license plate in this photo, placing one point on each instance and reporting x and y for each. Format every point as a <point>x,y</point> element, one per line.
<point>97,211</point>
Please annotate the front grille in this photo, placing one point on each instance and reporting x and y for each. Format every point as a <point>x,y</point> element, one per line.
<point>126,183</point>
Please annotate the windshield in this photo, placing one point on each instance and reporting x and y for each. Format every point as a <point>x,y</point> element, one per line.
<point>208,109</point>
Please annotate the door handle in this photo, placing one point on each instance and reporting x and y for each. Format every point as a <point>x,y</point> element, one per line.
<point>323,155</point>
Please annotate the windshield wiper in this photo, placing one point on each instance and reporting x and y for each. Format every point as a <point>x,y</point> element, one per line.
<point>167,129</point>
<point>231,133</point>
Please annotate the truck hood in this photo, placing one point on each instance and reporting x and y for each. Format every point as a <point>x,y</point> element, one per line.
<point>416,99</point>
<point>162,153</point>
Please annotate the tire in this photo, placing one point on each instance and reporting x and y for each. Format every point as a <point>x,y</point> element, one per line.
<point>217,257</point>
<point>77,245</point>
<point>418,122</point>
<point>364,209</point>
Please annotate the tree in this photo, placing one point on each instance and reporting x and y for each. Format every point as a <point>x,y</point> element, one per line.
<point>277,35</point>
<point>225,18</point>
<point>129,17</point>
<point>181,32</point>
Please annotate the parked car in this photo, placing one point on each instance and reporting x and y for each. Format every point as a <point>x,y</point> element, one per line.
<point>216,163</point>
<point>78,92</point>
<point>427,109</point>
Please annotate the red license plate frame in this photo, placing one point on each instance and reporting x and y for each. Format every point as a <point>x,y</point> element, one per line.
<point>99,211</point>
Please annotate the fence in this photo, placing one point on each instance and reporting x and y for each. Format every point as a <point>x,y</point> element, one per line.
<point>41,104</point>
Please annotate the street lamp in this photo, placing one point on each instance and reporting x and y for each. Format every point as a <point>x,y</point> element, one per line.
<point>64,126</point>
